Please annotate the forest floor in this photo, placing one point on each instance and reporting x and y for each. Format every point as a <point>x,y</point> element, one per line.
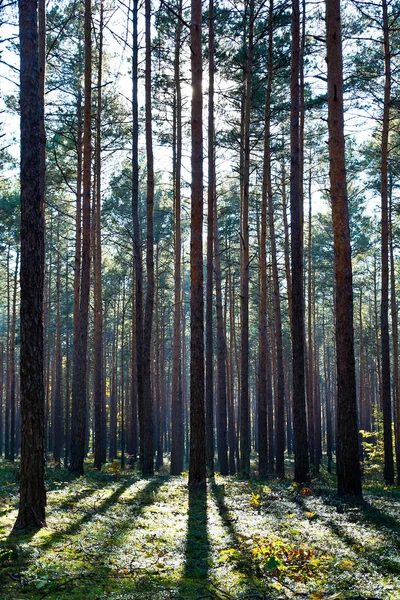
<point>116,535</point>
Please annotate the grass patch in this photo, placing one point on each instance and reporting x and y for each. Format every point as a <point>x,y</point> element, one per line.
<point>116,535</point>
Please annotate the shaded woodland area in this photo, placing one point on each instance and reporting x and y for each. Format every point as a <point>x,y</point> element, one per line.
<point>199,273</point>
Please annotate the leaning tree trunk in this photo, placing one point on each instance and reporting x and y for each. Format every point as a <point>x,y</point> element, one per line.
<point>32,467</point>
<point>347,452</point>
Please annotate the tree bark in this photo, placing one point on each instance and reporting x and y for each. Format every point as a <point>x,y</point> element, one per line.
<point>98,368</point>
<point>176,405</point>
<point>210,241</point>
<point>197,458</point>
<point>32,467</point>
<point>147,462</point>
<point>388,472</point>
<point>299,409</point>
<point>79,382</point>
<point>245,263</point>
<point>347,452</point>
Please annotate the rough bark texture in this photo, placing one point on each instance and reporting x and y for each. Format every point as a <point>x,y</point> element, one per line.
<point>32,470</point>
<point>79,382</point>
<point>348,465</point>
<point>299,408</point>
<point>197,458</point>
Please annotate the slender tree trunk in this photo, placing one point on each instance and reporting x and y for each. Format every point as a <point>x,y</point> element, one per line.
<point>197,459</point>
<point>280,381</point>
<point>67,421</point>
<point>348,464</point>
<point>133,447</point>
<point>222,438</point>
<point>57,383</point>
<point>262,318</point>
<point>296,210</point>
<point>176,406</point>
<point>122,408</point>
<point>79,382</point>
<point>385,345</point>
<point>1,395</point>
<point>245,264</point>
<point>395,334</point>
<point>136,231</point>
<point>310,354</point>
<point>32,467</point>
<point>12,362</point>
<point>210,234</point>
<point>147,463</point>
<point>98,368</point>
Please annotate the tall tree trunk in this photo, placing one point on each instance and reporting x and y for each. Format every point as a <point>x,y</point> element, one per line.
<point>348,463</point>
<point>395,334</point>
<point>133,444</point>
<point>12,362</point>
<point>7,407</point>
<point>32,467</point>
<point>310,354</point>
<point>176,406</point>
<point>296,211</point>
<point>280,387</point>
<point>222,435</point>
<point>245,263</point>
<point>147,463</point>
<point>98,368</point>
<point>136,230</point>
<point>1,395</point>
<point>122,406</point>
<point>262,319</point>
<point>197,459</point>
<point>385,345</point>
<point>79,381</point>
<point>57,384</point>
<point>210,234</point>
<point>67,420</point>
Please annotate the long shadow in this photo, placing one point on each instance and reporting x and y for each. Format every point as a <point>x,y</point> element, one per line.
<point>100,508</point>
<point>229,524</point>
<point>137,504</point>
<point>197,550</point>
<point>387,565</point>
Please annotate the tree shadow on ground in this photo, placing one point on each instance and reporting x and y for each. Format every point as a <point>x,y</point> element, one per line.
<point>197,549</point>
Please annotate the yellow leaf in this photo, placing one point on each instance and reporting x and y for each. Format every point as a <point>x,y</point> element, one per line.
<point>310,515</point>
<point>347,563</point>
<point>290,516</point>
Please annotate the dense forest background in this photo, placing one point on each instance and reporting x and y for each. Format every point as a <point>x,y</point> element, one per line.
<point>122,232</point>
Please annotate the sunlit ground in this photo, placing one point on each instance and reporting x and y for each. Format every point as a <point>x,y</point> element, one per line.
<point>116,535</point>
